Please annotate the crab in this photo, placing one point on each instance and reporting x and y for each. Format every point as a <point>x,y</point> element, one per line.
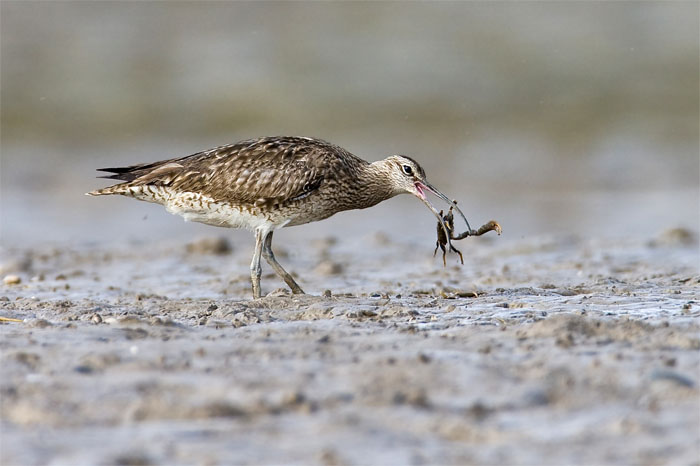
<point>447,227</point>
<point>441,242</point>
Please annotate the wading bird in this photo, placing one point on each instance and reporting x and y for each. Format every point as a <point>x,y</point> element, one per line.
<point>272,182</point>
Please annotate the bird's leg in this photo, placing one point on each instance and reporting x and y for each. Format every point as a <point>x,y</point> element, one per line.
<point>255,268</point>
<point>283,274</point>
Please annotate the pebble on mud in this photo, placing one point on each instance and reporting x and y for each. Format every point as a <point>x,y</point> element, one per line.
<point>127,320</point>
<point>31,360</point>
<point>39,323</point>
<point>324,243</point>
<point>414,397</point>
<point>674,377</point>
<point>675,237</point>
<point>20,264</point>
<point>381,239</point>
<point>133,459</point>
<point>215,246</point>
<point>12,280</point>
<point>164,321</point>
<point>327,267</point>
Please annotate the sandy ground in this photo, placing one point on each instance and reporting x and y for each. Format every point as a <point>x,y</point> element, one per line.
<point>547,350</point>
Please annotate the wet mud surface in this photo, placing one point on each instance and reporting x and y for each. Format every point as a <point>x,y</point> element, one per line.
<point>545,350</point>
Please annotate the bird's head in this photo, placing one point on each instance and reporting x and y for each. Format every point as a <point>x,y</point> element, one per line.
<point>407,176</point>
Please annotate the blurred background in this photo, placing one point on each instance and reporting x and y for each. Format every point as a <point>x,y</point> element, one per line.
<point>551,117</point>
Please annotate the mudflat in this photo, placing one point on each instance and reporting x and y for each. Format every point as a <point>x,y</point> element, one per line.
<point>553,349</point>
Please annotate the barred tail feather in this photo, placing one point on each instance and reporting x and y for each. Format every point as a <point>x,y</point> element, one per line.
<point>120,188</point>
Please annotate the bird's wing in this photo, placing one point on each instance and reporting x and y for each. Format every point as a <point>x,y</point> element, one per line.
<point>261,171</point>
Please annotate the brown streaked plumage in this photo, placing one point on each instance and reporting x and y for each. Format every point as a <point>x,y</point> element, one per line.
<point>269,183</point>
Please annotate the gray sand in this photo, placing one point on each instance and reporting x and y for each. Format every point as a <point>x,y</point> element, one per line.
<point>558,350</point>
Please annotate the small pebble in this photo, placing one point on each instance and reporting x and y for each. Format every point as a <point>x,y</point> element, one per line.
<point>164,321</point>
<point>214,246</point>
<point>675,237</point>
<point>84,369</point>
<point>96,319</point>
<point>12,280</point>
<point>39,323</point>
<point>673,376</point>
<point>130,320</point>
<point>327,268</point>
<point>381,239</point>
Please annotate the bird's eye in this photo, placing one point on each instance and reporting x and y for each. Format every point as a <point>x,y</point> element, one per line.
<point>407,170</point>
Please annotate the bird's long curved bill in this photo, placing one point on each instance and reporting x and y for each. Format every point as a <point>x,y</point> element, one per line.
<point>452,203</point>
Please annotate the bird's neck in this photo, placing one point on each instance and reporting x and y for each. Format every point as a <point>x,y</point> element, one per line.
<point>375,185</point>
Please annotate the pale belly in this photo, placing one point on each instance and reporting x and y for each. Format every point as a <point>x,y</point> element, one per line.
<point>195,207</point>
<point>221,215</point>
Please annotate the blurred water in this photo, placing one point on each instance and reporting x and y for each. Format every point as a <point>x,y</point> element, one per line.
<point>551,117</point>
